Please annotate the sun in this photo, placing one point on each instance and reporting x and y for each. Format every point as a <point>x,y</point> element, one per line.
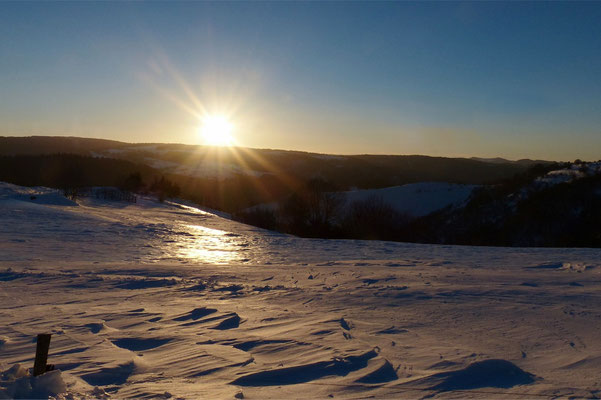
<point>216,130</point>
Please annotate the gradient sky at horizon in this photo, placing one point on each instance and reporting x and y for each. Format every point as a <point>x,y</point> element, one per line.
<point>516,80</point>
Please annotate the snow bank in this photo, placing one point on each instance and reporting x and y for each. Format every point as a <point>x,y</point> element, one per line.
<point>17,383</point>
<point>487,373</point>
<point>34,195</point>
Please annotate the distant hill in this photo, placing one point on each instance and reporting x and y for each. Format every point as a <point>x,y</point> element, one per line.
<point>35,145</point>
<point>361,171</point>
<point>70,170</point>
<point>558,207</point>
<point>231,179</point>
<point>499,160</point>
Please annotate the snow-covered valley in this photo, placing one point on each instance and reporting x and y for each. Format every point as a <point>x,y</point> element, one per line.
<point>167,300</point>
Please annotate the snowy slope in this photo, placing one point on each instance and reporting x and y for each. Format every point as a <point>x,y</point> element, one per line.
<point>416,199</point>
<point>574,172</point>
<point>33,195</point>
<point>165,300</point>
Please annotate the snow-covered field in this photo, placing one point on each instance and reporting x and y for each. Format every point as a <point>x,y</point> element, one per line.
<point>166,300</point>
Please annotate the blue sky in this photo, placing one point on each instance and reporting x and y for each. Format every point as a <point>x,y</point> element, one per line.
<point>514,79</point>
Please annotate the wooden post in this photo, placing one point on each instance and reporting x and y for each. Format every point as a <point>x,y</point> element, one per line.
<point>41,354</point>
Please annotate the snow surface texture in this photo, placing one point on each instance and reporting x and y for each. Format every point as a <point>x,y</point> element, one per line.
<point>167,301</point>
<point>17,383</point>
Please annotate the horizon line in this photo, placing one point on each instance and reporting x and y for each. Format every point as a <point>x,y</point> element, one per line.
<point>467,157</point>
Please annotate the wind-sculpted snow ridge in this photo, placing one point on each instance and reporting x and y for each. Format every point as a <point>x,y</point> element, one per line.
<point>480,374</point>
<point>161,301</point>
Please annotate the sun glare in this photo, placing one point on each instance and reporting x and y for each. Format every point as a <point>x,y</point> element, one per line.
<point>216,130</point>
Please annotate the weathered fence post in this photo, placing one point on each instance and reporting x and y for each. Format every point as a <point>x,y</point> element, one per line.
<point>41,354</point>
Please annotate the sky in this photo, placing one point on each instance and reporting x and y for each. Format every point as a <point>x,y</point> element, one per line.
<point>487,79</point>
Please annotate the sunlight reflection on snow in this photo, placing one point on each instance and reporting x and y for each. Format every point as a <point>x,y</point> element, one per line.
<point>208,245</point>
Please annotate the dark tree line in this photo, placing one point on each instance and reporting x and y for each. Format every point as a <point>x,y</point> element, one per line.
<point>74,174</point>
<point>318,210</point>
<point>164,188</point>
